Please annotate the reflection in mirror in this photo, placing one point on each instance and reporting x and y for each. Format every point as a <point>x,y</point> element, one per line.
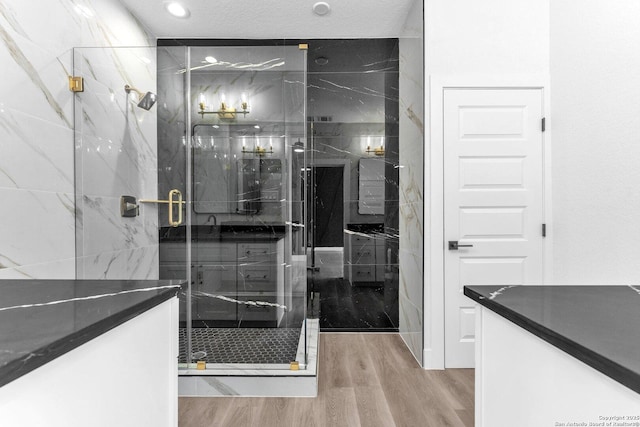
<point>213,166</point>
<point>234,171</point>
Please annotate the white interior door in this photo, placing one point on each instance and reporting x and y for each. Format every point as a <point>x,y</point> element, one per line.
<point>493,201</point>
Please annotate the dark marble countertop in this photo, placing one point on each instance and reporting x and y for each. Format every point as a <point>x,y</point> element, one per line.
<point>43,319</point>
<point>240,231</point>
<point>599,325</point>
<point>366,227</point>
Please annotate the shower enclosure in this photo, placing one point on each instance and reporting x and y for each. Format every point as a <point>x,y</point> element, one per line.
<point>203,186</point>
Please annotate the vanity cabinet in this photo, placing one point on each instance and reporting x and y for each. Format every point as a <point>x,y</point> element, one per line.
<point>257,280</point>
<point>242,271</point>
<point>365,260</point>
<point>214,273</point>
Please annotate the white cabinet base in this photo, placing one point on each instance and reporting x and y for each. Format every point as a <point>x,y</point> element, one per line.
<point>524,381</point>
<point>127,376</point>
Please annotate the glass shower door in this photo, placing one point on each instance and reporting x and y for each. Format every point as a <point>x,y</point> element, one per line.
<point>218,127</point>
<point>116,163</point>
<point>247,302</point>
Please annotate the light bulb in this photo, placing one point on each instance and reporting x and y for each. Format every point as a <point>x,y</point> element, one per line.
<point>177,10</point>
<point>223,101</point>
<point>244,103</point>
<point>203,102</point>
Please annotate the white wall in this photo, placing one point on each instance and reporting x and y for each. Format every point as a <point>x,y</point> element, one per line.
<point>491,36</point>
<point>36,125</point>
<point>595,83</point>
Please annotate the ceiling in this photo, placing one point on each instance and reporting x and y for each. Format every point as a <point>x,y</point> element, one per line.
<point>269,19</point>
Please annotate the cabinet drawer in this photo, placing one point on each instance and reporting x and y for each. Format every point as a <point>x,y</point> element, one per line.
<point>364,256</point>
<point>363,273</point>
<point>255,251</point>
<point>359,240</point>
<point>254,273</point>
<point>215,278</point>
<point>255,278</point>
<point>259,313</point>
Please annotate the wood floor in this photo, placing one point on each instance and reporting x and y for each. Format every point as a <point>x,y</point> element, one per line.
<point>364,380</point>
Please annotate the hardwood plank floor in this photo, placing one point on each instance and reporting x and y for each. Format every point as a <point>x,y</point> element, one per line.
<point>364,380</point>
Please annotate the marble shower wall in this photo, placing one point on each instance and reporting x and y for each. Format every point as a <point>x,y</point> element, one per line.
<point>116,154</point>
<point>411,257</point>
<point>37,122</point>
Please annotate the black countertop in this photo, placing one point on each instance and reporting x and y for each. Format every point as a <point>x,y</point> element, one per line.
<point>43,319</point>
<point>224,232</point>
<point>366,227</point>
<point>599,325</point>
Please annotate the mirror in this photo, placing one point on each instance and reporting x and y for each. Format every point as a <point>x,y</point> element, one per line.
<point>232,175</point>
<point>214,166</point>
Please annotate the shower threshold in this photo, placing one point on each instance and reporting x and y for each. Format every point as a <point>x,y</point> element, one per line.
<point>240,346</point>
<point>253,379</point>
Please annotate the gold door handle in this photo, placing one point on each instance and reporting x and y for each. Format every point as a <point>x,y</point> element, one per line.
<point>175,197</point>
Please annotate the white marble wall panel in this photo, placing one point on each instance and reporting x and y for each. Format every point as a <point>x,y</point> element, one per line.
<point>58,269</point>
<point>45,150</point>
<point>104,230</point>
<point>116,155</point>
<point>36,123</point>
<point>411,224</point>
<point>136,264</point>
<point>35,216</point>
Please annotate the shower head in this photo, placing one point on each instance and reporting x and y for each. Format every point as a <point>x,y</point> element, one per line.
<point>145,100</point>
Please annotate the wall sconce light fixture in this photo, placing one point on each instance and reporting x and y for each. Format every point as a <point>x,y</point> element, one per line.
<point>225,112</point>
<point>378,151</point>
<point>257,148</point>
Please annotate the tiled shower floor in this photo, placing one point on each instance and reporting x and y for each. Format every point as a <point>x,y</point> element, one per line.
<point>241,345</point>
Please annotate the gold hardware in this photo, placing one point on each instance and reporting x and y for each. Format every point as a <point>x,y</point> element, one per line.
<point>225,113</point>
<point>294,366</point>
<point>76,84</point>
<point>171,201</point>
<point>260,151</point>
<point>303,46</point>
<point>379,151</point>
<point>201,365</point>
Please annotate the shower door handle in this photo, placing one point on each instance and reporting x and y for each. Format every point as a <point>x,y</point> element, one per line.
<point>174,197</point>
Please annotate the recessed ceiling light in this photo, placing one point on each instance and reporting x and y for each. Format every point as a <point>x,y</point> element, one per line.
<point>256,126</point>
<point>177,10</point>
<point>321,8</point>
<point>211,59</point>
<point>322,60</point>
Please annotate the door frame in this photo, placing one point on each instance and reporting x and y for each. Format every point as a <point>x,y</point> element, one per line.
<point>434,314</point>
<point>346,189</point>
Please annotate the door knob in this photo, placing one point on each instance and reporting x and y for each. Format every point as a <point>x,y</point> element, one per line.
<point>454,245</point>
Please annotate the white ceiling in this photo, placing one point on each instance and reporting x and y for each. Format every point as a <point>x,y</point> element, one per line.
<point>269,19</point>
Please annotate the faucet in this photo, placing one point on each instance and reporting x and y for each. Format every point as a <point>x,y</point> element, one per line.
<point>215,220</point>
